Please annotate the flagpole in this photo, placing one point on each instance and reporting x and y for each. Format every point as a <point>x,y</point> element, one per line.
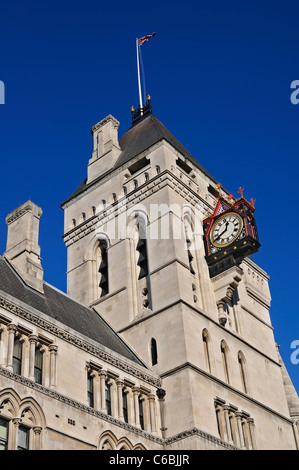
<point>139,82</point>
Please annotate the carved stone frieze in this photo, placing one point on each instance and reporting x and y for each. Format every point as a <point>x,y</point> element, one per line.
<point>77,341</point>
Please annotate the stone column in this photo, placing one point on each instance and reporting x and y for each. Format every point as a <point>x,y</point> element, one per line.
<point>37,438</point>
<point>247,436</point>
<point>239,422</point>
<point>95,385</point>
<point>161,397</point>
<point>120,384</point>
<point>33,341</point>
<point>15,432</point>
<point>251,425</point>
<point>227,424</point>
<point>151,400</point>
<point>2,360</point>
<point>53,355</point>
<point>12,330</point>
<point>136,406</point>
<point>295,425</point>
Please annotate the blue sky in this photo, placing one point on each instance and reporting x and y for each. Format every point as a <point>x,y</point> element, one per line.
<point>219,74</point>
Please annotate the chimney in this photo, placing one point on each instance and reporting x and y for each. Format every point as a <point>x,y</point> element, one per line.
<point>106,148</point>
<point>22,248</point>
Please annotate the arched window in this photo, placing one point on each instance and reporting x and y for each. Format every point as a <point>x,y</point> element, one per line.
<point>83,216</point>
<point>74,222</point>
<point>241,361</point>
<point>104,204</point>
<point>158,170</point>
<point>154,352</point>
<point>17,357</point>
<point>205,340</point>
<point>146,177</point>
<point>141,248</point>
<point>103,268</point>
<point>188,238</point>
<point>224,354</point>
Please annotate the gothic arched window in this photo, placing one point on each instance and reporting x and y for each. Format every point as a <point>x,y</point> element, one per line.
<point>141,248</point>
<point>189,244</point>
<point>103,268</point>
<point>154,352</point>
<point>224,354</point>
<point>205,340</point>
<point>241,361</point>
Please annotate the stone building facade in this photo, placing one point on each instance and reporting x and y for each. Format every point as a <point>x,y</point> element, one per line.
<point>135,356</point>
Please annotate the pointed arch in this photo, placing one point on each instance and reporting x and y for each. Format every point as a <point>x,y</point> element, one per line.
<point>154,351</point>
<point>139,447</point>
<point>225,360</point>
<point>98,245</point>
<point>107,441</point>
<point>9,403</point>
<point>31,412</point>
<point>243,371</point>
<point>207,349</point>
<point>124,444</point>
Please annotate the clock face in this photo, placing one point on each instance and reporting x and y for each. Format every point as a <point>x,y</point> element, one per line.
<point>226,229</point>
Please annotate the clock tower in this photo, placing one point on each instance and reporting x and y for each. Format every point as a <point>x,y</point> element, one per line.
<point>188,300</point>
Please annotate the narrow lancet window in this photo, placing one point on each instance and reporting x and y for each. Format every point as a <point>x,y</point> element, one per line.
<point>103,269</point>
<point>142,261</point>
<point>154,351</point>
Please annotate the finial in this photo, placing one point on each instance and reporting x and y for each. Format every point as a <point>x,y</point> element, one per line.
<point>132,108</point>
<point>240,191</point>
<point>253,202</point>
<point>148,97</point>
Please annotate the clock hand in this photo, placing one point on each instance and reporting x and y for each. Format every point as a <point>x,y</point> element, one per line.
<point>220,234</point>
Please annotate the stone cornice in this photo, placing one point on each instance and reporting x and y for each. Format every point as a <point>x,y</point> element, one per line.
<point>26,207</point>
<point>197,432</point>
<point>104,121</point>
<point>110,419</point>
<point>77,341</point>
<point>80,406</point>
<point>228,387</point>
<point>135,197</point>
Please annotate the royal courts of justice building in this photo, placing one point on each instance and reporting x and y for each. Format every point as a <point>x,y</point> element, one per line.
<point>163,340</point>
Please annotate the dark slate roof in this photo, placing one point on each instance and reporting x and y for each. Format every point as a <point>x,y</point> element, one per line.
<point>62,308</point>
<point>143,134</point>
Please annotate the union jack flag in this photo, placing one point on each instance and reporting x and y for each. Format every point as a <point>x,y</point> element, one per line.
<point>145,38</point>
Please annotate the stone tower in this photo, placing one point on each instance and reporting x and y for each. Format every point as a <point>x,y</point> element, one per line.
<point>133,233</point>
